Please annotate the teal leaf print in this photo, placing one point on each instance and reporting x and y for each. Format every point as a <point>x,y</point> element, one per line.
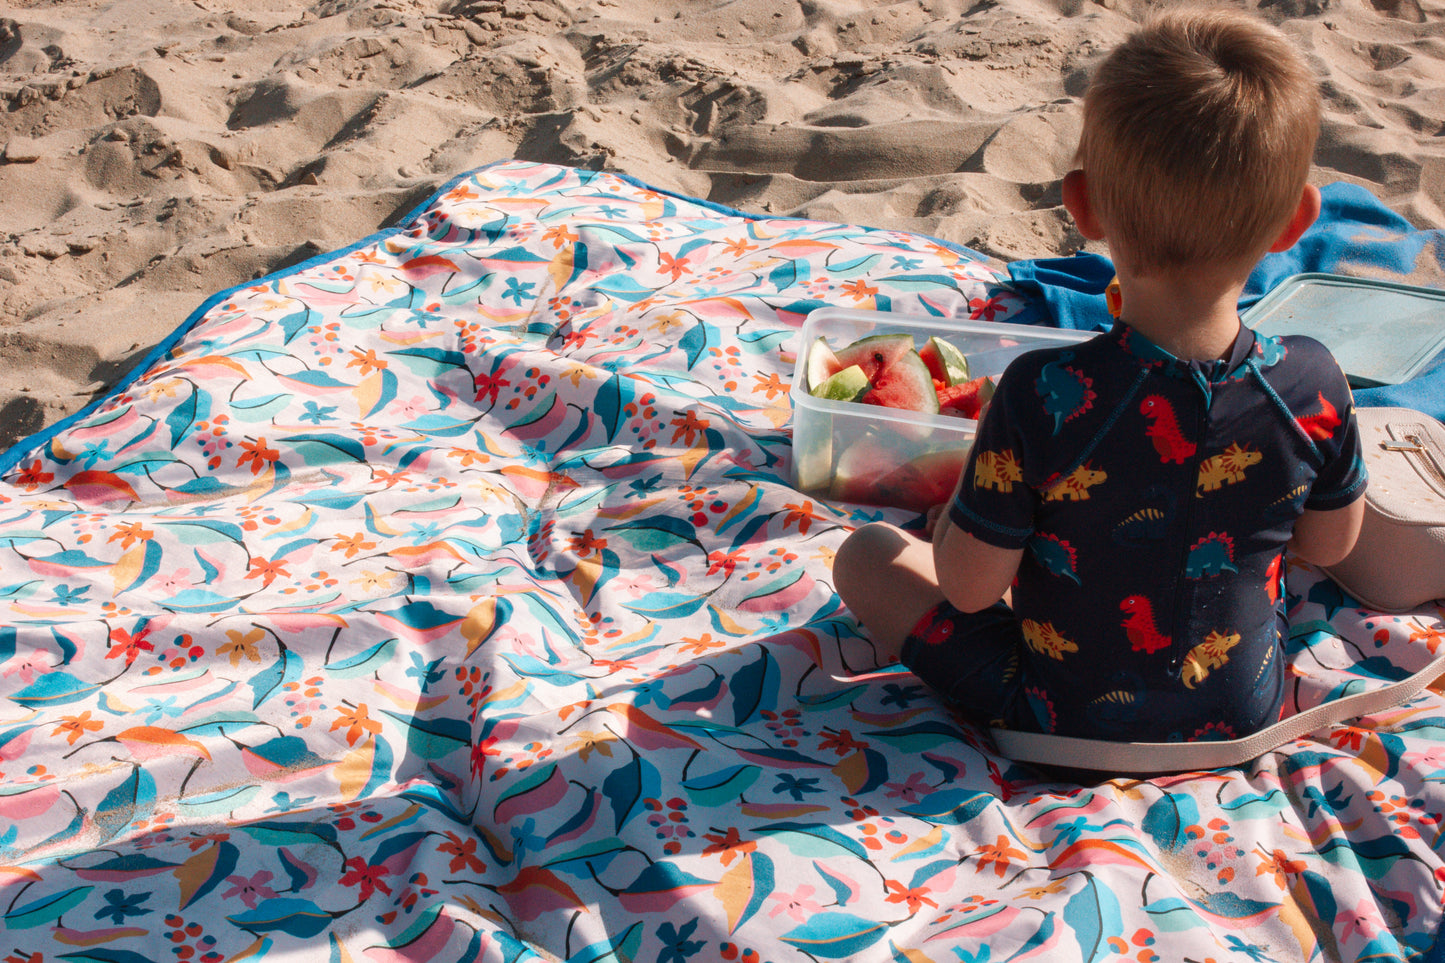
<point>836,936</point>
<point>722,787</point>
<point>951,807</point>
<point>538,791</point>
<point>624,949</point>
<point>54,689</point>
<point>1093,914</point>
<point>364,663</point>
<point>300,918</point>
<point>755,687</point>
<point>626,787</point>
<point>269,681</point>
<point>1168,818</point>
<point>433,737</point>
<point>46,909</point>
<point>813,841</point>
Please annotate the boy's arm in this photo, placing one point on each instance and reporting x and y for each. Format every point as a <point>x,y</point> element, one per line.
<point>972,574</point>
<point>1326,537</point>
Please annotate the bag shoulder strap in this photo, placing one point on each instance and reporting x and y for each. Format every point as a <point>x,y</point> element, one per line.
<point>1162,757</point>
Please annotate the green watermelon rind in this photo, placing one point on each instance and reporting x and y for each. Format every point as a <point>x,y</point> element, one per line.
<point>875,352</point>
<point>947,364</point>
<point>847,384</point>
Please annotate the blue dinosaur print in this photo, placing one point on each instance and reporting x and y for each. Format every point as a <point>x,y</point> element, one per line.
<point>1210,557</point>
<point>1055,555</point>
<point>1271,351</point>
<point>1066,393</point>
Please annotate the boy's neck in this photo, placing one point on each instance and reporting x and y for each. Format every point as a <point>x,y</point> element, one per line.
<point>1195,319</point>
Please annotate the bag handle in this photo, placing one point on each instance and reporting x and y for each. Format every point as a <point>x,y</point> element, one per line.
<point>1161,757</point>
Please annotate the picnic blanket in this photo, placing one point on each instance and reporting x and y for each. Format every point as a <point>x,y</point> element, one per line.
<point>445,598</point>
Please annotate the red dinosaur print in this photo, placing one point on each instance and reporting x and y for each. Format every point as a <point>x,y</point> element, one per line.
<point>1139,626</point>
<point>1321,426</point>
<point>1273,578</point>
<point>1164,431</point>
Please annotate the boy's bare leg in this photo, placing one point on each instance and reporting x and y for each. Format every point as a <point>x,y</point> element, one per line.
<point>886,577</point>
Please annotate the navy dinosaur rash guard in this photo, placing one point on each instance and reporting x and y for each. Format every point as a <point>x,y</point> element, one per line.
<point>1155,497</point>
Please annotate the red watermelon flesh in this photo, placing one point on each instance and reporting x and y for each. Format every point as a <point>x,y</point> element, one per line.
<point>968,398</point>
<point>904,383</point>
<point>925,481</point>
<point>859,467</point>
<point>876,352</point>
<point>869,473</point>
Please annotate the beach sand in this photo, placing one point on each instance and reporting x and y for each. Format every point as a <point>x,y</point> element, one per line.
<point>155,152</point>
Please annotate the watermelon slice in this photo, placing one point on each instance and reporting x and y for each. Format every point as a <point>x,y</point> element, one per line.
<point>860,465</point>
<point>903,383</point>
<point>966,399</point>
<point>870,473</point>
<point>845,385</point>
<point>945,362</point>
<point>875,353</point>
<point>822,364</point>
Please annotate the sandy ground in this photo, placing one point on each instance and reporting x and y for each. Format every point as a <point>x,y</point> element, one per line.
<point>154,152</point>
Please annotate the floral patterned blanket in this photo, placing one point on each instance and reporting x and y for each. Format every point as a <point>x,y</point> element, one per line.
<point>445,598</point>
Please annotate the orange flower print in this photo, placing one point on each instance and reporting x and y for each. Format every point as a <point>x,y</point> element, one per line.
<point>257,454</point>
<point>688,425</point>
<point>32,477</point>
<point>729,846</point>
<point>1001,855</point>
<point>267,571</point>
<point>366,360</point>
<point>356,722</point>
<point>1279,865</point>
<point>898,893</point>
<point>129,533</point>
<point>76,726</point>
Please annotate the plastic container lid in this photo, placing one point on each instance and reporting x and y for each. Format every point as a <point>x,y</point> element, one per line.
<point>1381,333</point>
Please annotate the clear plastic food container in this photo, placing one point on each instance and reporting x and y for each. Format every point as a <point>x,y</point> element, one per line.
<point>856,452</point>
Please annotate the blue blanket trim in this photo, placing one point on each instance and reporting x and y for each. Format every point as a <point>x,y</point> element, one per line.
<point>12,456</point>
<point>1355,234</point>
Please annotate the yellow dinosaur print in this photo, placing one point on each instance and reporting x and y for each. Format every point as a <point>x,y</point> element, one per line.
<point>997,469</point>
<point>1226,468</point>
<point>1044,639</point>
<point>1075,486</point>
<point>1212,653</point>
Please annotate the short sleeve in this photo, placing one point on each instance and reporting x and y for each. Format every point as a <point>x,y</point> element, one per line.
<point>993,503</point>
<point>1342,477</point>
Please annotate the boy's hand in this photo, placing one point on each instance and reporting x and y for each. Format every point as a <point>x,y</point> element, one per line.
<point>930,520</point>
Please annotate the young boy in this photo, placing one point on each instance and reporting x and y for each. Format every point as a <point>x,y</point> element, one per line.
<point>1138,491</point>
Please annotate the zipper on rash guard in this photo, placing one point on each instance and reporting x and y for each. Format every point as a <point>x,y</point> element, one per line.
<point>1179,618</point>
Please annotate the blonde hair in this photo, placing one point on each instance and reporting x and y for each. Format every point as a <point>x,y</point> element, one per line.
<point>1197,139</point>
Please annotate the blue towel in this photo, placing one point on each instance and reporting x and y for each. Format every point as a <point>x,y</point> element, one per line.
<point>1355,234</point>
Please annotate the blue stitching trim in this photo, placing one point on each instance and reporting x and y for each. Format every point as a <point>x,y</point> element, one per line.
<point>1104,429</point>
<point>1282,407</point>
<point>957,508</point>
<point>1332,496</point>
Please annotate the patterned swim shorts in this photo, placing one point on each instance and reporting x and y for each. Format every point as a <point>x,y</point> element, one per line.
<point>972,660</point>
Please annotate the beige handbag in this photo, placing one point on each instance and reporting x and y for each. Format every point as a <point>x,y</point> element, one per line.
<point>1398,563</point>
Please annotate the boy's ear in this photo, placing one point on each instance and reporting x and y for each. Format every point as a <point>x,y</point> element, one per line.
<point>1076,202</point>
<point>1304,215</point>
